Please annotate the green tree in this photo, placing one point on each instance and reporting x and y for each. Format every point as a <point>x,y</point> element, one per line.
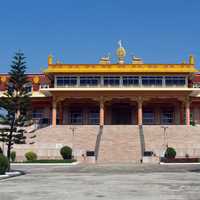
<point>16,103</point>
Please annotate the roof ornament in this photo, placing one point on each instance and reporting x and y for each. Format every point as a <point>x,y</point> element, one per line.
<point>105,59</point>
<point>137,60</point>
<point>191,60</point>
<point>121,53</point>
<point>50,59</point>
<point>120,43</point>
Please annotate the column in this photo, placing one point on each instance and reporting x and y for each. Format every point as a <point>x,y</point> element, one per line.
<point>139,112</point>
<point>101,112</point>
<point>187,108</point>
<point>54,113</point>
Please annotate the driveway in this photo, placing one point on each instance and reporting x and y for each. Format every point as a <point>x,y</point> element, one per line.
<point>112,182</point>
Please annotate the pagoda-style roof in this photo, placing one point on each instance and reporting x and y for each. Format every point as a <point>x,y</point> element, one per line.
<point>120,68</point>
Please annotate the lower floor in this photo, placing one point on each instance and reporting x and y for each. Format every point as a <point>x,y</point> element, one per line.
<point>116,111</point>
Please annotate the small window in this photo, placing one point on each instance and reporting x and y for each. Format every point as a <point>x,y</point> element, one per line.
<point>167,117</point>
<point>28,87</point>
<point>175,81</point>
<point>148,117</point>
<point>90,80</point>
<point>76,117</point>
<point>111,80</point>
<point>130,80</point>
<point>43,86</point>
<point>152,80</point>
<point>66,81</point>
<point>11,87</point>
<point>93,118</point>
<point>37,113</point>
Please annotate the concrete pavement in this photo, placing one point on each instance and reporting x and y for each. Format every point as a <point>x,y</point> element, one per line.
<point>111,182</point>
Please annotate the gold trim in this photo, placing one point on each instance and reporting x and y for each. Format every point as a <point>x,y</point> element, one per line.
<point>120,68</point>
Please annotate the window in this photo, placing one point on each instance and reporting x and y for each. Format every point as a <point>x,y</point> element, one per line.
<point>152,80</point>
<point>11,87</point>
<point>76,117</point>
<point>111,80</point>
<point>167,117</point>
<point>130,80</point>
<point>37,113</point>
<point>148,117</point>
<point>93,117</point>
<point>44,85</point>
<point>175,81</point>
<point>66,81</point>
<point>90,80</point>
<point>28,87</point>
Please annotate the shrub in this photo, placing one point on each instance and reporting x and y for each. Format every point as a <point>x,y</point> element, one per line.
<point>4,164</point>
<point>170,152</point>
<point>66,152</point>
<point>30,156</point>
<point>13,156</point>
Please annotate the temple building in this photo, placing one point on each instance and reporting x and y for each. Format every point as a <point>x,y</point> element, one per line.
<point>115,110</point>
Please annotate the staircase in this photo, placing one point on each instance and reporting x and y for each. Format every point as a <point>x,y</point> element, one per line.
<point>186,140</point>
<point>119,144</point>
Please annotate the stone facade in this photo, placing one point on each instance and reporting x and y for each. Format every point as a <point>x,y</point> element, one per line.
<point>119,143</point>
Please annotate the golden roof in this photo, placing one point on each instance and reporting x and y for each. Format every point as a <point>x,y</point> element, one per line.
<point>120,68</point>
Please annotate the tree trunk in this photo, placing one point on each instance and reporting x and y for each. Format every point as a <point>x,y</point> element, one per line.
<point>10,144</point>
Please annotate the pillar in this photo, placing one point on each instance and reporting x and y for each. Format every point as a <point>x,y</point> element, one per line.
<point>187,108</point>
<point>54,113</point>
<point>139,112</point>
<point>101,112</point>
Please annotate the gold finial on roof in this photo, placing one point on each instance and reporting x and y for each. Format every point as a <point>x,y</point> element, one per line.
<point>50,59</point>
<point>58,61</point>
<point>183,62</point>
<point>121,53</point>
<point>191,60</point>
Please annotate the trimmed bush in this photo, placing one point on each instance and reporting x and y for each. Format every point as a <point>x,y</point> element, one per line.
<point>170,153</point>
<point>13,156</point>
<point>66,152</point>
<point>4,164</point>
<point>30,156</point>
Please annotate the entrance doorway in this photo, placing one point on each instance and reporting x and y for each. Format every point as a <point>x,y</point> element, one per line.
<point>121,114</point>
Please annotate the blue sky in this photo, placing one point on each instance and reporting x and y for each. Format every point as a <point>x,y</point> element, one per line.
<point>81,31</point>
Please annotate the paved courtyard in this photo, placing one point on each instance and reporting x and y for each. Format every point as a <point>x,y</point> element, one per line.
<point>113,182</point>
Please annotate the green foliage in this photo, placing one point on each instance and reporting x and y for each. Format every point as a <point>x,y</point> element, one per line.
<point>170,153</point>
<point>16,103</point>
<point>66,152</point>
<point>4,164</point>
<point>31,156</point>
<point>13,156</point>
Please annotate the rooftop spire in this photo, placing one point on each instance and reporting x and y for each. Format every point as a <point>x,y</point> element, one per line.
<point>121,53</point>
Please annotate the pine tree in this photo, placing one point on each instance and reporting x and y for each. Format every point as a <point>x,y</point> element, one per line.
<point>16,103</point>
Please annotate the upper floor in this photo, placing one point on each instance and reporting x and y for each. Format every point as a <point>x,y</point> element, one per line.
<point>105,75</point>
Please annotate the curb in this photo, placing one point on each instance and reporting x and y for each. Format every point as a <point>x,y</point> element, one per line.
<point>11,174</point>
<point>162,163</point>
<point>50,164</point>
